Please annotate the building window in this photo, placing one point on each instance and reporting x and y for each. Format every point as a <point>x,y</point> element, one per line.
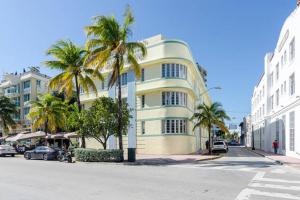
<point>143,128</point>
<point>174,98</point>
<point>284,87</point>
<point>143,75</point>
<point>272,102</point>
<point>26,111</point>
<point>292,131</point>
<point>292,50</point>
<point>38,83</point>
<point>285,57</point>
<point>271,80</point>
<point>143,101</point>
<point>277,97</point>
<point>26,84</point>
<point>174,126</point>
<point>292,84</point>
<point>171,70</point>
<point>102,85</point>
<point>124,79</point>
<point>26,97</point>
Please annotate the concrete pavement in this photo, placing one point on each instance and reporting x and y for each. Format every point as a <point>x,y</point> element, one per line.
<point>239,175</point>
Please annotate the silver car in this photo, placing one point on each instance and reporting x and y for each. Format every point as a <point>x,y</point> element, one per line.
<point>7,150</point>
<point>220,146</point>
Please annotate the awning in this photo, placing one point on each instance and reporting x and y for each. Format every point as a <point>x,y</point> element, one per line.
<point>38,134</point>
<point>14,138</point>
<point>62,135</point>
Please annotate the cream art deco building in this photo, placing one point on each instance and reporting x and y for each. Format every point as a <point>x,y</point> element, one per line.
<point>276,98</point>
<point>163,100</point>
<point>21,89</point>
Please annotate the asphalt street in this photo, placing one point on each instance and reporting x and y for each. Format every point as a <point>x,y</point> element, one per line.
<point>239,175</point>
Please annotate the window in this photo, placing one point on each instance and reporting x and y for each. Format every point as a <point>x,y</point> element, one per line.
<point>38,83</point>
<point>143,128</point>
<point>16,101</point>
<point>171,70</point>
<point>124,79</point>
<point>263,109</point>
<point>272,102</point>
<point>174,98</point>
<point>277,71</point>
<point>285,58</point>
<point>26,97</point>
<point>26,84</point>
<point>102,85</point>
<point>292,131</point>
<point>174,126</point>
<point>277,97</point>
<point>292,50</point>
<point>163,71</point>
<point>284,87</point>
<point>271,80</point>
<point>292,84</point>
<point>143,101</point>
<point>281,89</point>
<point>26,111</point>
<point>143,75</point>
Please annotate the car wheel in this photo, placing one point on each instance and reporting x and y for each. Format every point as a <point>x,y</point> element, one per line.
<point>45,157</point>
<point>27,156</point>
<point>12,155</point>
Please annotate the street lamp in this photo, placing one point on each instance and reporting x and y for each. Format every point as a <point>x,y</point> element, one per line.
<point>206,91</point>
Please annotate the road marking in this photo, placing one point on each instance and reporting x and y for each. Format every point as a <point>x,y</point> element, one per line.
<point>246,194</point>
<point>282,187</point>
<point>278,171</point>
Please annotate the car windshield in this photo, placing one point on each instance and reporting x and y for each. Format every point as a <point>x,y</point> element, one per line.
<point>218,143</point>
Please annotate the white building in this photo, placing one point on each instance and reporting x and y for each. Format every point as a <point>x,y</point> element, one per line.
<point>275,100</point>
<point>22,88</point>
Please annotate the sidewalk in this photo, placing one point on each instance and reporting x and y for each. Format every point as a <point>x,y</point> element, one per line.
<point>171,159</point>
<point>294,162</point>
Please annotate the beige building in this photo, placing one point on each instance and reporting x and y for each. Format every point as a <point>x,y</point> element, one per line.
<point>163,100</point>
<point>22,88</point>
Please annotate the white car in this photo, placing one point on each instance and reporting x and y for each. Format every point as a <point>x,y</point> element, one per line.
<point>7,150</point>
<point>220,146</point>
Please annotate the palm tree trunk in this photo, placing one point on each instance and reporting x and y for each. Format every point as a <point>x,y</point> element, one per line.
<point>120,111</point>
<point>209,139</point>
<point>79,107</point>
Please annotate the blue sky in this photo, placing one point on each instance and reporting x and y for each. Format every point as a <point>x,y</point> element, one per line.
<point>228,37</point>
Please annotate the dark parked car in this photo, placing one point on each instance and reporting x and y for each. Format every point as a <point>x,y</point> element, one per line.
<point>42,153</point>
<point>233,143</point>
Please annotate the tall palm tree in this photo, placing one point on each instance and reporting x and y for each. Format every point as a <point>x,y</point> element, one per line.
<point>7,108</point>
<point>210,115</point>
<point>109,47</point>
<point>69,59</point>
<point>48,112</point>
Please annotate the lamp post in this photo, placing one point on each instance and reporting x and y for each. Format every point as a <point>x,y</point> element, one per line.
<point>253,148</point>
<point>204,92</point>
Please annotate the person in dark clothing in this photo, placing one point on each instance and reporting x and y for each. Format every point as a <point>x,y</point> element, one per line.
<point>275,146</point>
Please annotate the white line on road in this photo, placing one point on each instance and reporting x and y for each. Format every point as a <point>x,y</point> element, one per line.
<point>246,194</point>
<point>282,187</point>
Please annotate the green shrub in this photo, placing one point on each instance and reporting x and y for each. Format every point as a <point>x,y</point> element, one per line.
<point>94,155</point>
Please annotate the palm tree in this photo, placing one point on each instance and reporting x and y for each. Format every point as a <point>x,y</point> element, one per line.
<point>48,111</point>
<point>109,47</point>
<point>210,115</point>
<point>7,108</point>
<point>69,59</point>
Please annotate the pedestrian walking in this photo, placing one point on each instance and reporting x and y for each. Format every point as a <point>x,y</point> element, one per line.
<point>275,146</point>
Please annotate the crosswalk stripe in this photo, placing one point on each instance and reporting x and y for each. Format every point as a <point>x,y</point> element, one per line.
<point>282,187</point>
<point>246,194</point>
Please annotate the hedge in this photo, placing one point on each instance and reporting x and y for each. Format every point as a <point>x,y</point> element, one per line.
<point>94,155</point>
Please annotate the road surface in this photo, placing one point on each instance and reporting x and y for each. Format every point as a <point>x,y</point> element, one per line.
<point>240,175</point>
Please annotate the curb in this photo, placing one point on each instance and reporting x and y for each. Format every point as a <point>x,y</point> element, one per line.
<point>213,158</point>
<point>262,155</point>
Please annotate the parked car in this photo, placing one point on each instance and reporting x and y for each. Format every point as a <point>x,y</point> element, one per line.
<point>233,143</point>
<point>42,153</point>
<point>220,146</point>
<point>7,150</point>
